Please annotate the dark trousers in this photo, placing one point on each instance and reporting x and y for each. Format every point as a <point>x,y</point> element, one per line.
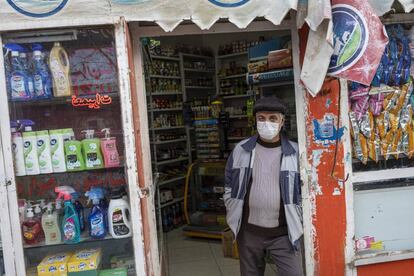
<point>252,251</point>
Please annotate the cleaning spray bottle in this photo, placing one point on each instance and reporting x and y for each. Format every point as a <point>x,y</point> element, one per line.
<point>41,75</point>
<point>18,79</point>
<point>60,69</point>
<point>31,228</point>
<point>92,150</point>
<point>7,69</point>
<point>96,219</point>
<point>31,159</point>
<point>119,215</point>
<point>70,222</point>
<point>109,150</point>
<point>51,226</point>
<point>27,69</point>
<point>79,209</point>
<point>18,150</point>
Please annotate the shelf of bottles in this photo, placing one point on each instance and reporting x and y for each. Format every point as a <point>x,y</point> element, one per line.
<point>68,149</point>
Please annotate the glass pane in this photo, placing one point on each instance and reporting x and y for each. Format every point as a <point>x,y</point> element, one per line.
<point>68,148</point>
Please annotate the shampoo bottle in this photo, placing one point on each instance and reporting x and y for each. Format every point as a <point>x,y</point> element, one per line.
<point>18,150</point>
<point>92,151</point>
<point>51,226</point>
<point>43,152</point>
<point>31,160</point>
<point>57,151</point>
<point>60,69</point>
<point>70,222</point>
<point>96,219</point>
<point>119,216</point>
<point>109,150</point>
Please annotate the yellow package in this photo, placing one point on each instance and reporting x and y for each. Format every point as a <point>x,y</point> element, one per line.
<point>364,148</point>
<point>54,265</point>
<point>410,141</point>
<point>386,144</point>
<point>374,150</point>
<point>396,142</point>
<point>83,260</point>
<point>394,121</point>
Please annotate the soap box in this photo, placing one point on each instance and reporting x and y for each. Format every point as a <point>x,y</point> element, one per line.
<point>54,265</point>
<point>114,272</point>
<point>85,260</point>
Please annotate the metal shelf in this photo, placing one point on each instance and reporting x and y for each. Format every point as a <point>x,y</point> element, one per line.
<point>169,141</point>
<point>165,77</point>
<point>166,109</point>
<point>198,70</point>
<point>172,202</point>
<point>171,161</point>
<point>168,181</point>
<point>232,55</point>
<point>165,58</point>
<point>167,128</point>
<point>233,76</point>
<point>196,56</point>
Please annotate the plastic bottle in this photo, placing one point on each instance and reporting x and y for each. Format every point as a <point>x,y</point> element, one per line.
<point>79,209</point>
<point>57,151</point>
<point>38,216</point>
<point>25,63</point>
<point>96,219</point>
<point>70,222</point>
<point>109,150</point>
<point>119,216</point>
<point>18,150</point>
<point>73,156</point>
<point>60,69</point>
<point>68,134</point>
<point>31,228</point>
<point>43,152</point>
<point>31,160</point>
<point>51,226</point>
<point>91,148</point>
<point>19,88</point>
<point>41,74</point>
<point>7,69</point>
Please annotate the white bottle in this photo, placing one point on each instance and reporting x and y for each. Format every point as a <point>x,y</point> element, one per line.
<point>57,151</point>
<point>31,160</point>
<point>51,226</point>
<point>18,155</point>
<point>119,211</point>
<point>43,152</point>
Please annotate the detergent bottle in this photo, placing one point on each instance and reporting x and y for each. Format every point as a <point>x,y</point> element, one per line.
<point>96,219</point>
<point>60,69</point>
<point>18,150</point>
<point>92,150</point>
<point>109,150</point>
<point>19,86</point>
<point>31,159</point>
<point>41,75</point>
<point>27,69</point>
<point>70,222</point>
<point>119,216</point>
<point>31,228</point>
<point>79,209</point>
<point>50,224</point>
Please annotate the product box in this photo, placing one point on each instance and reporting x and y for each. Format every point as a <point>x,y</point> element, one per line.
<point>257,66</point>
<point>230,249</point>
<point>114,272</point>
<point>261,50</point>
<point>124,261</point>
<point>85,262</point>
<point>279,59</point>
<point>54,265</point>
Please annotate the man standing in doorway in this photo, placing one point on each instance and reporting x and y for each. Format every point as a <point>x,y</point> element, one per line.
<point>262,195</point>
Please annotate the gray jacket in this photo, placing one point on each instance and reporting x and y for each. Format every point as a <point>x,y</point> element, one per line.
<point>239,173</point>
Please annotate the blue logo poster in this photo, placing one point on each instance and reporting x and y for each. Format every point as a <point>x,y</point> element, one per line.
<point>229,3</point>
<point>38,8</point>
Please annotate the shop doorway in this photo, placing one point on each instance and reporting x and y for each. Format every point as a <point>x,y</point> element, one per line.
<point>199,88</point>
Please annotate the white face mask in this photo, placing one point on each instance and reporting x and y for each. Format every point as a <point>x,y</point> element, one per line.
<point>268,130</point>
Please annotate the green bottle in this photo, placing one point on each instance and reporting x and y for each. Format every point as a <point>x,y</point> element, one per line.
<point>91,148</point>
<point>73,156</point>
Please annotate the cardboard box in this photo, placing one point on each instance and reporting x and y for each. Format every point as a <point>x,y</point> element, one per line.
<point>230,248</point>
<point>261,50</point>
<point>114,272</point>
<point>279,59</point>
<point>257,67</point>
<point>54,265</point>
<point>87,260</point>
<point>124,261</point>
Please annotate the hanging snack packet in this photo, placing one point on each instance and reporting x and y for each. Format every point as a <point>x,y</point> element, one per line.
<point>366,125</point>
<point>358,93</point>
<point>382,122</point>
<point>394,120</point>
<point>364,149</point>
<point>374,150</point>
<point>354,125</point>
<point>405,117</point>
<point>396,144</point>
<point>386,145</point>
<point>410,132</point>
<point>405,143</point>
<point>360,107</point>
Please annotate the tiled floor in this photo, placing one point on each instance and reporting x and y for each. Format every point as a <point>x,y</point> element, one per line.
<point>201,257</point>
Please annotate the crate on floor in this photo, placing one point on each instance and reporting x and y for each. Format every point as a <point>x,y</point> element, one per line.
<point>230,248</point>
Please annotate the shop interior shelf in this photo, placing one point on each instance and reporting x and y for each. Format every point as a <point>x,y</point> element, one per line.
<point>198,70</point>
<point>172,202</point>
<point>233,77</point>
<point>166,93</point>
<point>171,161</point>
<point>233,55</point>
<point>169,141</point>
<point>200,87</point>
<point>235,138</point>
<point>168,181</point>
<point>59,100</point>
<point>165,77</point>
<point>236,96</point>
<point>84,239</point>
<point>166,109</point>
<point>91,170</point>
<point>197,56</point>
<point>167,128</point>
<point>241,116</point>
<point>165,58</point>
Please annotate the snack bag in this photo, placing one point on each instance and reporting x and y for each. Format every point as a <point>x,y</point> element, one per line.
<point>410,133</point>
<point>363,155</point>
<point>382,122</point>
<point>386,144</point>
<point>374,150</point>
<point>396,144</point>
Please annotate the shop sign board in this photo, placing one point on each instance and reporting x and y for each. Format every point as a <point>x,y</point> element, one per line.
<point>37,8</point>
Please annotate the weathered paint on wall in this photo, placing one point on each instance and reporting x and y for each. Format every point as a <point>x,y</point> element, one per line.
<point>400,268</point>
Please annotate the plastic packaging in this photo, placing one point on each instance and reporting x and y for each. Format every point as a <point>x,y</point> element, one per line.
<point>70,223</point>
<point>60,69</point>
<point>73,156</point>
<point>79,209</point>
<point>41,75</point>
<point>96,219</point>
<point>31,228</point>
<point>109,150</point>
<point>43,152</point>
<point>25,64</point>
<point>57,151</point>
<point>18,150</point>
<point>91,148</point>
<point>31,160</point>
<point>18,78</point>
<point>119,216</point>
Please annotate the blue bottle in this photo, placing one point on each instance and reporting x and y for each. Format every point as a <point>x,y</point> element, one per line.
<point>79,209</point>
<point>28,71</point>
<point>96,219</point>
<point>19,85</point>
<point>41,74</point>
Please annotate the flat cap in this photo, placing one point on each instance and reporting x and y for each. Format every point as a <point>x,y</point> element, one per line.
<point>270,104</point>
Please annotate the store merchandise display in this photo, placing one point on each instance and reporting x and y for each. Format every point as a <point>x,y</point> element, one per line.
<point>164,68</point>
<point>237,47</point>
<point>166,104</point>
<point>382,114</point>
<point>168,120</point>
<point>173,216</point>
<point>165,86</point>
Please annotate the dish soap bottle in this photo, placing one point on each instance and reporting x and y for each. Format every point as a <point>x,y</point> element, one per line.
<point>60,69</point>
<point>96,219</point>
<point>41,76</point>
<point>109,150</point>
<point>31,228</point>
<point>92,150</point>
<point>31,159</point>
<point>119,216</point>
<point>70,222</point>
<point>50,224</point>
